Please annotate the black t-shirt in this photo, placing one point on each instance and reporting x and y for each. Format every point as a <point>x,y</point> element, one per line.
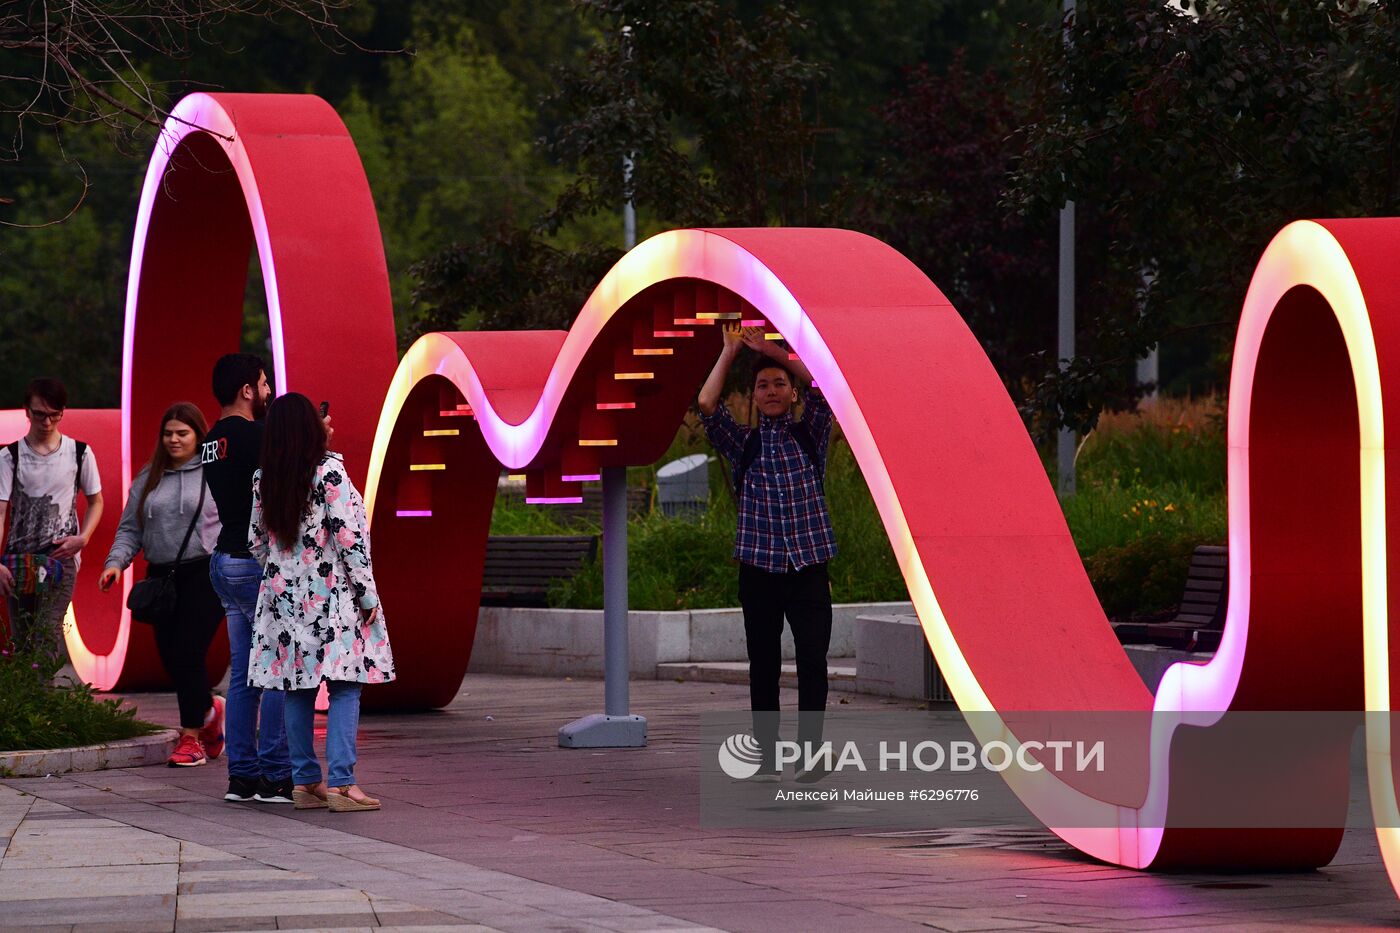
<point>230,456</point>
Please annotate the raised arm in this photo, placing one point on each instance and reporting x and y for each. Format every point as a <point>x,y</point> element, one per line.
<point>713,388</point>
<point>755,340</point>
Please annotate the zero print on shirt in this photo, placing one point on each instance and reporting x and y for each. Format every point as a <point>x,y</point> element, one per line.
<point>212,451</point>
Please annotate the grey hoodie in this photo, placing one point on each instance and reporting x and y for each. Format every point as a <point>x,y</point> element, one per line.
<point>167,513</point>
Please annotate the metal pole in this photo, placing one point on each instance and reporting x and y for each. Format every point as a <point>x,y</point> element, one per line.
<point>629,213</point>
<point>615,727</point>
<point>1066,442</point>
<point>615,642</point>
<point>1064,451</point>
<point>616,649</point>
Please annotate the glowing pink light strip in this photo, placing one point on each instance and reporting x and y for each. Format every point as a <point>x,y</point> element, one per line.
<point>616,406</point>
<point>673,333</point>
<point>753,322</point>
<point>414,513</point>
<point>194,113</point>
<point>553,500</point>
<point>1189,694</point>
<point>582,477</point>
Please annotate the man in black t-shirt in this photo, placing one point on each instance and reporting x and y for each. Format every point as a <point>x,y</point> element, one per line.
<point>259,767</point>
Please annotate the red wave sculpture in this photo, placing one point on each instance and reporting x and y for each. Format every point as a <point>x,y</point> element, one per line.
<point>991,567</point>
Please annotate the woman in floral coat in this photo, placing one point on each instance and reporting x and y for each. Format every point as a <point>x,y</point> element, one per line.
<point>318,617</point>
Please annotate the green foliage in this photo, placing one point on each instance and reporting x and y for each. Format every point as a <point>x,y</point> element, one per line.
<point>672,563</point>
<point>1109,515</point>
<point>947,127</point>
<point>712,108</point>
<point>36,714</point>
<point>449,151</point>
<point>949,142</point>
<point>63,285</point>
<point>509,277</point>
<point>1201,136</point>
<point>1152,488</point>
<point>1144,576</point>
<point>870,47</point>
<point>1157,456</point>
<point>864,569</point>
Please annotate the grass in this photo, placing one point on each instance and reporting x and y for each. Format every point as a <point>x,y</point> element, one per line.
<point>36,714</point>
<point>1151,487</point>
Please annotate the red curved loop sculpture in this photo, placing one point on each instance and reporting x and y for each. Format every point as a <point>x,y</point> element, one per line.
<point>232,173</point>
<point>961,491</point>
<point>983,545</point>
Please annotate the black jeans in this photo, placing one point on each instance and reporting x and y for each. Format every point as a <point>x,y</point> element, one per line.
<point>184,641</point>
<point>804,597</point>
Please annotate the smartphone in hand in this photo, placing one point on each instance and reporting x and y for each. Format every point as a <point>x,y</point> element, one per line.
<point>325,409</point>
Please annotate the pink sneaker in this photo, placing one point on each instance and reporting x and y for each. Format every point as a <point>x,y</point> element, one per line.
<point>212,734</point>
<point>189,753</point>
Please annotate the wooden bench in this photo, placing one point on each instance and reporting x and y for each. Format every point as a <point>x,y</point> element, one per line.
<point>520,568</point>
<point>1200,619</point>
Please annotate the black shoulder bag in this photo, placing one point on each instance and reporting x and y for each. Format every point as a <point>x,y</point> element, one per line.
<point>155,599</point>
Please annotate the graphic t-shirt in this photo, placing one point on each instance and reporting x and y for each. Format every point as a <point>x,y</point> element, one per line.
<point>42,509</point>
<point>230,457</point>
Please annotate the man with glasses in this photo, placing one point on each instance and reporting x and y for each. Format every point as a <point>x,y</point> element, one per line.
<point>41,475</point>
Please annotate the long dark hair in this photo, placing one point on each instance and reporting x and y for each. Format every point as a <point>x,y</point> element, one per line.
<point>294,441</point>
<point>185,413</point>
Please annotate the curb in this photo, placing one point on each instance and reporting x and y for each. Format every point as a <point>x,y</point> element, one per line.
<point>128,753</point>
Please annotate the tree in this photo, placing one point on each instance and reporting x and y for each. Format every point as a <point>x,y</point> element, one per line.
<point>869,47</point>
<point>1199,137</point>
<point>936,195</point>
<point>448,150</point>
<point>712,110</point>
<point>67,64</point>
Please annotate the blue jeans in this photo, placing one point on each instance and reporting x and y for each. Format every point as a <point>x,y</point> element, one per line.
<point>342,723</point>
<point>252,751</point>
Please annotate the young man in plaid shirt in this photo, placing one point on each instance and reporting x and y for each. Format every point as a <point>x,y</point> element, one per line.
<point>784,537</point>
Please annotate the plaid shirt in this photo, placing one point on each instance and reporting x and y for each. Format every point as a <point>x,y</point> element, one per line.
<point>783,522</point>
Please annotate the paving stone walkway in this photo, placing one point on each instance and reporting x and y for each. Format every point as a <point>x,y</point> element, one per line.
<point>489,825</point>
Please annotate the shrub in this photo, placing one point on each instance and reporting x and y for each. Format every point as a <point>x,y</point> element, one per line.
<point>1151,488</point>
<point>1143,577</point>
<point>1179,443</point>
<point>1108,516</point>
<point>36,714</point>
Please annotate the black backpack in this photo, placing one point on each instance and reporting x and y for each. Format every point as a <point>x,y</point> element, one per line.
<point>754,442</point>
<point>79,446</point>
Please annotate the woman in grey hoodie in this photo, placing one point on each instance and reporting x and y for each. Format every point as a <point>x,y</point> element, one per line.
<point>166,503</point>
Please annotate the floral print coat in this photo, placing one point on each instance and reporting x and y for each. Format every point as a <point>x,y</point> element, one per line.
<point>316,595</point>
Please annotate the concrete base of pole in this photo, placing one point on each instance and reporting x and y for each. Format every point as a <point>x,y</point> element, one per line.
<point>600,730</point>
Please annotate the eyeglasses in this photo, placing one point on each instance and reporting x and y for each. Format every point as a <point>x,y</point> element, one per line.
<point>45,416</point>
